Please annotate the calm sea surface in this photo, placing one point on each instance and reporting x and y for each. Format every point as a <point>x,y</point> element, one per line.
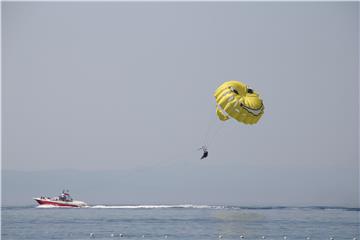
<point>180,222</point>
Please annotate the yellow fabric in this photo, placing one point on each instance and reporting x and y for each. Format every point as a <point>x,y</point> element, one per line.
<point>235,101</point>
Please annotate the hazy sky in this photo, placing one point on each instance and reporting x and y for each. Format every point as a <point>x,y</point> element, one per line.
<point>128,87</point>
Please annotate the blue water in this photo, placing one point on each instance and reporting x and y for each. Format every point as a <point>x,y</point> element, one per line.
<point>180,222</point>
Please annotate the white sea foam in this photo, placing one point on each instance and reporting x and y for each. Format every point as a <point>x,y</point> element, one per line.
<point>158,206</point>
<point>47,206</point>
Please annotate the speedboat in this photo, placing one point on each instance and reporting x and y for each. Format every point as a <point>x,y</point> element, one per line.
<point>64,200</point>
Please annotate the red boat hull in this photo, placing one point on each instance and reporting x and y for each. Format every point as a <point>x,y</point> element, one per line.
<point>55,203</point>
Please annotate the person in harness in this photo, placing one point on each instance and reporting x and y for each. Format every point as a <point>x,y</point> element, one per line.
<point>205,152</point>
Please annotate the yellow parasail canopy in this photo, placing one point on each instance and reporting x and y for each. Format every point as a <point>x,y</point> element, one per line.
<point>236,100</point>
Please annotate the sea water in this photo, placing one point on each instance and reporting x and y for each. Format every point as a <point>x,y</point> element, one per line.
<point>180,222</point>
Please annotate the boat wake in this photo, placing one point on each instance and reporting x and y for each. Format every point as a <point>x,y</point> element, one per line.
<point>190,206</point>
<point>47,206</point>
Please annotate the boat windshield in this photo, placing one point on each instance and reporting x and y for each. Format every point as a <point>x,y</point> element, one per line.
<point>65,196</point>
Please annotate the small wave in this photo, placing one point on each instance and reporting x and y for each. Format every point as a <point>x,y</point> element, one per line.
<point>257,208</point>
<point>333,208</point>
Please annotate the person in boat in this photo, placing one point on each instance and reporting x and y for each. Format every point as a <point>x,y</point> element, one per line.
<point>205,152</point>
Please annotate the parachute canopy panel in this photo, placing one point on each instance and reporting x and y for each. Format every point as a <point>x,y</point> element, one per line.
<point>236,100</point>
